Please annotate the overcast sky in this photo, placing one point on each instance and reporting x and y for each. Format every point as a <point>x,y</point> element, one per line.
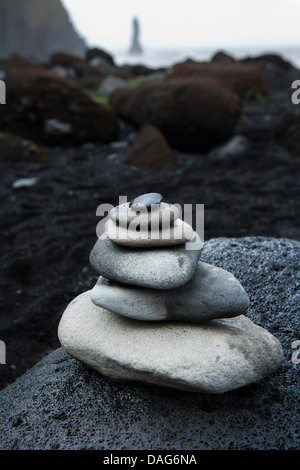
<point>187,23</point>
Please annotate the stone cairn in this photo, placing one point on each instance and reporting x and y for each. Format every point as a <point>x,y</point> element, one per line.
<point>160,316</point>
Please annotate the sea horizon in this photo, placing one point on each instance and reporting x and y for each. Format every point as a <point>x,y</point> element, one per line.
<point>166,57</point>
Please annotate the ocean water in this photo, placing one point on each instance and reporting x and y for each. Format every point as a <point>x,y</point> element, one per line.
<point>167,57</point>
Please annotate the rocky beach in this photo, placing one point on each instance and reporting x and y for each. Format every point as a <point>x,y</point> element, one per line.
<point>249,183</point>
<point>78,131</point>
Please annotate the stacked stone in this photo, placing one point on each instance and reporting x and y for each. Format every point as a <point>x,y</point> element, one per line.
<point>154,274</point>
<point>160,316</point>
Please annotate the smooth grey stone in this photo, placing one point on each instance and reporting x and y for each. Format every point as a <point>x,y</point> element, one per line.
<point>159,215</point>
<point>146,200</point>
<point>234,147</point>
<point>211,357</point>
<point>157,268</point>
<point>25,182</point>
<point>211,293</point>
<point>178,234</point>
<point>55,127</point>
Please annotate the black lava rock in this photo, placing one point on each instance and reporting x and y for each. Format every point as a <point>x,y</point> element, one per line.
<point>62,404</point>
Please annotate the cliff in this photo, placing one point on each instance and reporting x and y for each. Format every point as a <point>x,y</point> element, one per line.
<point>36,29</point>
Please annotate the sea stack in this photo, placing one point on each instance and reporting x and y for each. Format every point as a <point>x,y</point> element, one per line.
<point>135,48</point>
<point>160,316</point>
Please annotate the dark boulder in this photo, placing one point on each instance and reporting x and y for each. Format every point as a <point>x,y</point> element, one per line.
<point>139,70</point>
<point>239,78</point>
<point>17,62</point>
<point>83,73</point>
<point>151,152</point>
<point>222,56</point>
<point>288,132</point>
<point>101,61</point>
<point>194,114</point>
<point>124,72</point>
<point>15,149</point>
<point>19,71</point>
<point>94,53</point>
<point>127,72</point>
<point>47,109</point>
<point>278,72</point>
<point>65,59</point>
<point>265,59</point>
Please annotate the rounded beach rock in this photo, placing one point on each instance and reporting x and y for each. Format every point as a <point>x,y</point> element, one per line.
<point>146,200</point>
<point>159,214</point>
<point>211,357</point>
<point>178,234</point>
<point>150,151</point>
<point>211,293</point>
<point>156,268</point>
<point>194,114</point>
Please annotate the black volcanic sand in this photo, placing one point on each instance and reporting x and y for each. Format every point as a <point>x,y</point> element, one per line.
<point>48,230</point>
